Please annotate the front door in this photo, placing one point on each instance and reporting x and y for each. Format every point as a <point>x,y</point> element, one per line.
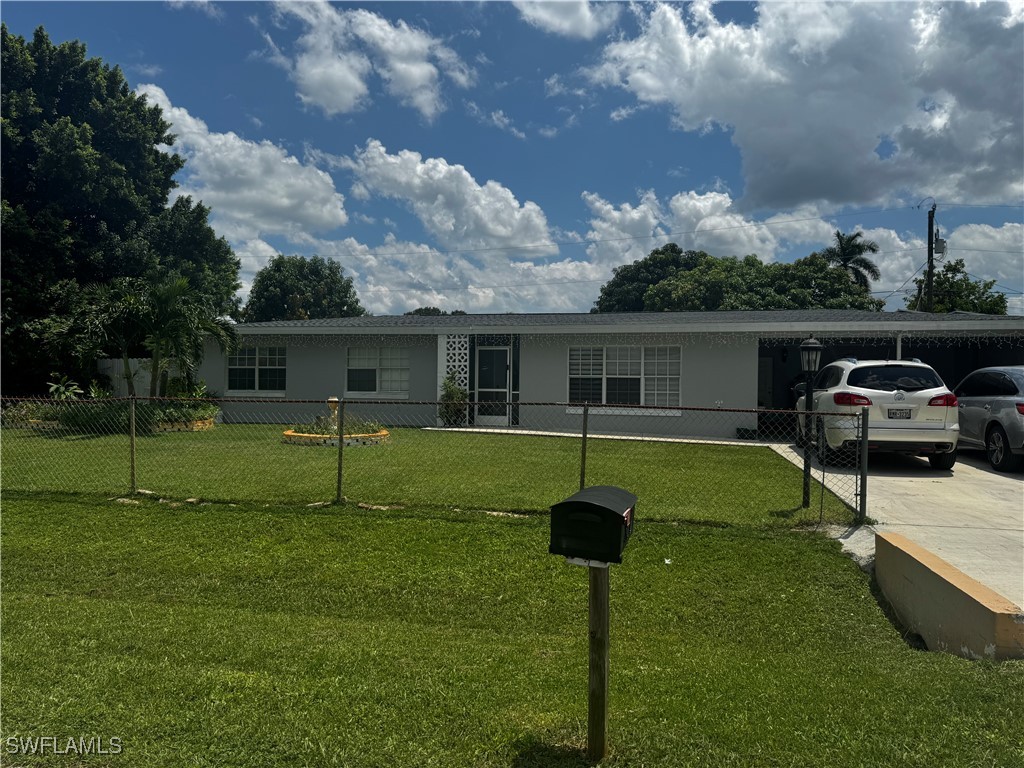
<point>492,386</point>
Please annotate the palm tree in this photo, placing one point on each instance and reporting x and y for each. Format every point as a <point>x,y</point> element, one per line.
<point>178,324</point>
<point>848,254</point>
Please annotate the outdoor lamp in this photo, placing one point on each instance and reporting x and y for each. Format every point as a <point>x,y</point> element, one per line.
<point>332,403</point>
<point>810,355</point>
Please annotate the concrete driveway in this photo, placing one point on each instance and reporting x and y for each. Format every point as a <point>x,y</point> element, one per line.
<point>971,517</point>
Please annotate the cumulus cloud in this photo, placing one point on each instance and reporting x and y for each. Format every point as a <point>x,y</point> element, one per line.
<point>340,50</point>
<point>809,99</point>
<point>254,255</point>
<point>398,276</point>
<point>570,18</point>
<point>993,253</point>
<point>253,188</point>
<point>454,208</point>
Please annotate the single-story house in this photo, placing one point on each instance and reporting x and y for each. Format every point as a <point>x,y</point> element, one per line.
<point>731,360</point>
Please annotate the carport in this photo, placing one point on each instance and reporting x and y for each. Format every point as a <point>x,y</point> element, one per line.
<point>953,344</point>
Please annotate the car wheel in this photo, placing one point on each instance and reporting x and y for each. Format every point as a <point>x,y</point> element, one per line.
<point>942,460</point>
<point>826,455</point>
<point>998,449</point>
<point>801,436</point>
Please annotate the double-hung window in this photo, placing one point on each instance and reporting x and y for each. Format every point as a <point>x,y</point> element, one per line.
<point>623,375</point>
<point>378,371</point>
<point>258,369</point>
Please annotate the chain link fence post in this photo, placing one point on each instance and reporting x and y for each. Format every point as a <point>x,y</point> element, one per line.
<point>583,450</point>
<point>862,507</point>
<point>131,444</point>
<point>339,498</point>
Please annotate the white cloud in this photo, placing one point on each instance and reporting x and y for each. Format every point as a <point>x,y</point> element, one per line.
<point>570,18</point>
<point>253,188</point>
<point>993,253</point>
<point>623,234</point>
<point>146,70</point>
<point>710,224</point>
<point>254,255</point>
<point>454,208</point>
<point>811,88</point>
<point>340,50</point>
<point>204,6</point>
<point>497,119</point>
<point>397,276</point>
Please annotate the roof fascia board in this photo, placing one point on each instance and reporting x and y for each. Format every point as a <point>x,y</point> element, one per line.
<point>930,326</point>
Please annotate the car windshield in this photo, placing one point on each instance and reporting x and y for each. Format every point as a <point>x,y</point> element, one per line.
<point>889,378</point>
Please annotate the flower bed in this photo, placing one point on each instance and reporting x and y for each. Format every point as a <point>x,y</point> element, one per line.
<point>298,438</point>
<point>196,425</point>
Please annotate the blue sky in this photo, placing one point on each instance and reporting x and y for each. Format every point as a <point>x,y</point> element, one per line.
<point>505,157</point>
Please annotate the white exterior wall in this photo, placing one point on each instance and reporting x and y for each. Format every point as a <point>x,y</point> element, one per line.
<point>718,372</point>
<point>316,370</point>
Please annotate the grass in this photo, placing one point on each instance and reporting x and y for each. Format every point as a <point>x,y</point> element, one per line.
<point>247,635</point>
<point>674,481</point>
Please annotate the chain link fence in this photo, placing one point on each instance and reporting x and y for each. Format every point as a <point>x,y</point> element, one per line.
<point>686,464</point>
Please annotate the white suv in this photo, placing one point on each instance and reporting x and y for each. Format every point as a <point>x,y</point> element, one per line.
<point>910,410</point>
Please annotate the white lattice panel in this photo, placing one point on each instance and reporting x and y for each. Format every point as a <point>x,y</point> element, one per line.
<point>457,358</point>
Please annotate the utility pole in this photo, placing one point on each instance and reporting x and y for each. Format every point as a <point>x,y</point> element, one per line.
<point>930,278</point>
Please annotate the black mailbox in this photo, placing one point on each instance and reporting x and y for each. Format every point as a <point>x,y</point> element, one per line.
<point>594,524</point>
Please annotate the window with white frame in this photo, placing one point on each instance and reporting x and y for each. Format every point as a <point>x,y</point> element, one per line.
<point>624,375</point>
<point>382,371</point>
<point>257,369</point>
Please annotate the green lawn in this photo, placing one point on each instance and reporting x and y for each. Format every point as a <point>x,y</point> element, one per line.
<point>674,481</point>
<point>248,635</point>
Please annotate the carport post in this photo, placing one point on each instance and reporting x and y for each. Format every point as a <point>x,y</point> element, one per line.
<point>862,507</point>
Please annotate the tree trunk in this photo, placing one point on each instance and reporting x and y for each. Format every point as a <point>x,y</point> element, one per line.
<point>129,377</point>
<point>154,373</point>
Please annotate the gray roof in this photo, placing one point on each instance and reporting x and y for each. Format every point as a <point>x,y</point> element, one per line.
<point>767,322</point>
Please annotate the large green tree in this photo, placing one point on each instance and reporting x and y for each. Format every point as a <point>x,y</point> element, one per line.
<point>626,290</point>
<point>956,291</point>
<point>433,312</point>
<point>849,253</point>
<point>185,244</point>
<point>749,284</point>
<point>300,288</point>
<point>85,185</point>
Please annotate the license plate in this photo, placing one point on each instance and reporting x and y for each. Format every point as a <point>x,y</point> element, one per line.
<point>899,413</point>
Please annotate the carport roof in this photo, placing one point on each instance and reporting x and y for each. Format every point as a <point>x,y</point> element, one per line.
<point>769,323</point>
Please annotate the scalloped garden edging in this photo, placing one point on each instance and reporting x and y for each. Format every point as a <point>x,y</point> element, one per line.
<point>297,438</point>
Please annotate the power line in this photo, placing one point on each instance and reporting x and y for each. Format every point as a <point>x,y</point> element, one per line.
<point>977,205</point>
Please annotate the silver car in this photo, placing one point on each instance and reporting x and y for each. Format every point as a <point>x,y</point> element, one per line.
<point>991,404</point>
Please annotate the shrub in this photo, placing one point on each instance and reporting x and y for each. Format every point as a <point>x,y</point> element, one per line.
<point>453,402</point>
<point>18,413</point>
<point>328,425</point>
